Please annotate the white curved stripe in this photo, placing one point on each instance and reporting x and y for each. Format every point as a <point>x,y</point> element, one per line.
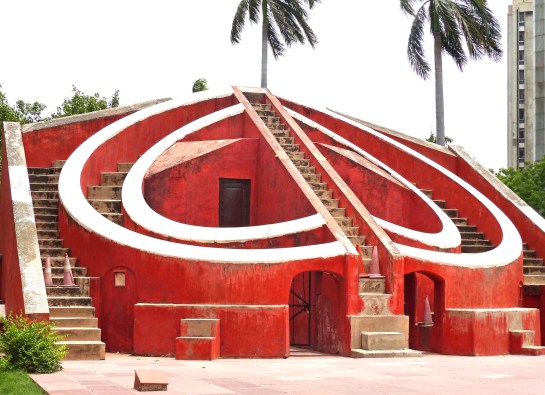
<point>85,215</point>
<point>142,214</point>
<point>448,237</point>
<point>505,253</point>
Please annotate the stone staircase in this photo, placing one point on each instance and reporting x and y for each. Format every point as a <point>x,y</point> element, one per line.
<point>69,307</point>
<point>379,333</point>
<point>106,198</point>
<point>473,241</point>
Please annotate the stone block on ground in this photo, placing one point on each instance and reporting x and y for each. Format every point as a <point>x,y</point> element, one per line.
<point>150,380</point>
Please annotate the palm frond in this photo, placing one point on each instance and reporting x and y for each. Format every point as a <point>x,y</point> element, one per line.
<point>239,21</point>
<point>415,47</point>
<point>312,2</point>
<point>407,6</point>
<point>451,34</point>
<point>254,8</point>
<point>273,38</point>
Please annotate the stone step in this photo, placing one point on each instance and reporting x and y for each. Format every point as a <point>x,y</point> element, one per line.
<point>323,193</point>
<point>41,186</point>
<point>265,113</point>
<point>112,178</point>
<point>290,147</point>
<point>45,203</point>
<point>50,243</point>
<point>47,225</point>
<point>104,192</point>
<point>46,218</point>
<point>534,351</point>
<point>375,341</point>
<point>474,249</point>
<point>480,242</point>
<point>44,170</point>
<point>372,285</point>
<point>441,203</point>
<point>359,353</point>
<point>524,246</point>
<point>528,253</point>
<point>314,178</point>
<point>459,221</point>
<point>124,167</point>
<point>75,322</point>
<point>43,178</point>
<point>71,312</point>
<point>106,205</point>
<point>357,240</point>
<point>330,203</point>
<point>48,234</point>
<point>84,350</point>
<point>58,261</point>
<point>534,279</point>
<point>427,192</point>
<point>58,163</point>
<point>375,304</point>
<point>79,333</point>
<point>78,271</point>
<point>472,235</point>
<point>64,291</point>
<point>344,221</point>
<point>318,186</point>
<point>284,140</point>
<point>338,212</point>
<point>69,301</point>
<point>45,211</point>
<point>351,230</point>
<point>467,228</point>
<point>296,155</point>
<point>301,162</point>
<point>271,120</point>
<point>533,261</point>
<point>54,251</point>
<point>534,270</point>
<point>49,195</point>
<point>306,169</point>
<point>114,217</point>
<point>261,106</point>
<point>280,133</point>
<point>451,212</point>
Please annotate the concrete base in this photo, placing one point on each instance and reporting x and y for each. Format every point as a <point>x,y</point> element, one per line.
<point>149,380</point>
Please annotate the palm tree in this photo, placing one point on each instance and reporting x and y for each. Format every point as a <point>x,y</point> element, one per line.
<point>451,22</point>
<point>282,19</point>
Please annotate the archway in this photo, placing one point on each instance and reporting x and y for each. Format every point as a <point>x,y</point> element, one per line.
<point>424,289</point>
<point>316,311</point>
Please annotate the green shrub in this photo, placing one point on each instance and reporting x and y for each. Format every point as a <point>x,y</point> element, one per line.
<point>30,346</point>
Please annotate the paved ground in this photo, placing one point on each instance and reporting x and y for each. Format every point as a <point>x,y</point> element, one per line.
<point>304,374</point>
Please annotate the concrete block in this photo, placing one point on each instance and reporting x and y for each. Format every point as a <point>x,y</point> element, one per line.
<point>197,348</point>
<point>383,341</point>
<point>150,380</point>
<point>199,327</point>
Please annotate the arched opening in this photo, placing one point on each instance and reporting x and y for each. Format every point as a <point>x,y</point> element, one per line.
<point>316,311</point>
<point>424,304</point>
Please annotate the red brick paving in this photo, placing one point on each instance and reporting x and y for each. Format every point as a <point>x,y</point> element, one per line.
<point>314,374</point>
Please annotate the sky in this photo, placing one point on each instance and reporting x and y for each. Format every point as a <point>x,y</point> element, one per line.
<point>155,49</point>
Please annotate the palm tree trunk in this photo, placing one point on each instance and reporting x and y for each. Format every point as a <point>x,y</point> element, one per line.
<point>264,46</point>
<point>439,100</point>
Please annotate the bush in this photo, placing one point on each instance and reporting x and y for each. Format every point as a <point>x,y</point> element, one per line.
<point>30,346</point>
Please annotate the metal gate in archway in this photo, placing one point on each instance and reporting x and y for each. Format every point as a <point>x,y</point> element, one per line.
<point>300,310</point>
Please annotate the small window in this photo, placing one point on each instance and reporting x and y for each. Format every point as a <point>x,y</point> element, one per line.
<point>521,57</point>
<point>521,96</point>
<point>521,76</point>
<point>521,154</point>
<point>521,134</point>
<point>521,16</point>
<point>521,38</point>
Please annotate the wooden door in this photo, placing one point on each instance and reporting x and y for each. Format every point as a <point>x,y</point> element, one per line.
<point>234,204</point>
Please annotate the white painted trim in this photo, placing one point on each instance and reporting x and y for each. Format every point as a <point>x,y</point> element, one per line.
<point>143,215</point>
<point>80,210</point>
<point>448,237</point>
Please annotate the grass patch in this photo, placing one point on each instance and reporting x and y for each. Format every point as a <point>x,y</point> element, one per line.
<point>17,382</point>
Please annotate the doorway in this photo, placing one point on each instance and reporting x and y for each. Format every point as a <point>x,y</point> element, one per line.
<point>300,305</point>
<point>234,203</point>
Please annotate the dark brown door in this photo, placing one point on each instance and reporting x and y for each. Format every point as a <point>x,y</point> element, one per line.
<point>234,203</point>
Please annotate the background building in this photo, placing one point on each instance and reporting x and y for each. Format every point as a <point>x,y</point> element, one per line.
<point>526,82</point>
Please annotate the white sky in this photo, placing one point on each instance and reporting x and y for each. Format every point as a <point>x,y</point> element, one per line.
<point>154,49</point>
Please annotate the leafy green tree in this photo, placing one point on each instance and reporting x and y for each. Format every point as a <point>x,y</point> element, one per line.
<point>282,20</point>
<point>200,85</point>
<point>433,139</point>
<point>80,103</point>
<point>528,183</point>
<point>451,22</point>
